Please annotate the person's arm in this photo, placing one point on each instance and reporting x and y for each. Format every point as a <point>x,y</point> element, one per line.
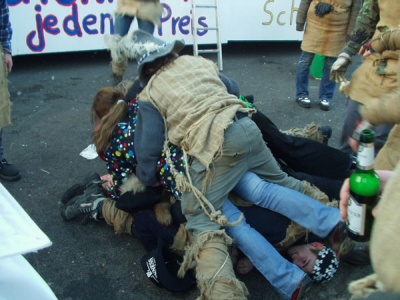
<point>231,85</point>
<point>354,10</point>
<point>365,27</point>
<point>377,111</point>
<point>149,140</point>
<point>302,14</point>
<point>6,34</point>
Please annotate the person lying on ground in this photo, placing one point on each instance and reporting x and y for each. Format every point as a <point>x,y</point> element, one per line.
<point>120,131</point>
<point>312,260</point>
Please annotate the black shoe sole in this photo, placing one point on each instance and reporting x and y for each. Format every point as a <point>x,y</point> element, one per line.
<point>75,190</point>
<point>302,104</point>
<point>10,178</point>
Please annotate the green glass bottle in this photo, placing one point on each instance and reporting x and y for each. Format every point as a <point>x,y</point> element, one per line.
<point>364,190</point>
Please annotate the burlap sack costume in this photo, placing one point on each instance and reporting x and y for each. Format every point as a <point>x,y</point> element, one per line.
<point>5,103</point>
<point>384,245</point>
<point>327,35</point>
<point>376,82</point>
<point>208,253</point>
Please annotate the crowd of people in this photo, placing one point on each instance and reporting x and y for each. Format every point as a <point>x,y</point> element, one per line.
<point>195,169</point>
<point>186,127</point>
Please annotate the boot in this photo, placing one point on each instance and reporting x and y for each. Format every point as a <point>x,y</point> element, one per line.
<point>119,67</point>
<point>215,275</point>
<point>79,188</point>
<point>312,131</point>
<point>88,204</point>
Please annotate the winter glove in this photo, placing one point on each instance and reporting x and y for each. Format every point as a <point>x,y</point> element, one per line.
<point>339,68</point>
<point>299,26</point>
<point>131,201</point>
<point>321,9</point>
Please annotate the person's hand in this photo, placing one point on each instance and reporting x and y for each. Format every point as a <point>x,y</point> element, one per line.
<point>339,68</point>
<point>366,50</point>
<point>322,8</point>
<point>108,182</point>
<point>8,61</point>
<point>353,143</point>
<point>344,199</point>
<point>299,26</point>
<point>355,138</point>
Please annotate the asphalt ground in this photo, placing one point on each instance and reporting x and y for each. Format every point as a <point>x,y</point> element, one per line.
<point>52,95</point>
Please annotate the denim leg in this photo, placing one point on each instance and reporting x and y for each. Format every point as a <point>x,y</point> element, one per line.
<point>306,211</point>
<point>303,74</point>
<point>122,24</point>
<point>243,150</point>
<point>1,145</point>
<point>282,274</point>
<point>327,87</point>
<point>146,25</point>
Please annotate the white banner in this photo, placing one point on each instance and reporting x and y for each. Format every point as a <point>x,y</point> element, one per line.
<point>49,26</point>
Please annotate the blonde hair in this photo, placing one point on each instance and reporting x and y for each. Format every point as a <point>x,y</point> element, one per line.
<point>107,112</point>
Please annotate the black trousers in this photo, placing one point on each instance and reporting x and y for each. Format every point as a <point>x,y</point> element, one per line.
<point>306,159</point>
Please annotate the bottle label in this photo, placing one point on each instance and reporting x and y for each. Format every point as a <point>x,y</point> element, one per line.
<point>365,156</point>
<point>356,214</point>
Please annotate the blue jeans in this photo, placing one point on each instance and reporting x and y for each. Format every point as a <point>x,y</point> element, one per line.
<point>243,150</point>
<point>311,214</point>
<point>123,23</point>
<point>326,87</point>
<point>1,145</point>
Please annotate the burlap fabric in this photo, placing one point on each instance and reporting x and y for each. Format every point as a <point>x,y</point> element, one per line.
<point>376,77</point>
<point>389,155</point>
<point>119,65</point>
<point>149,10</point>
<point>121,221</point>
<point>188,82</point>
<point>311,131</point>
<point>216,279</point>
<point>5,104</point>
<point>378,73</point>
<point>376,82</point>
<point>328,35</point>
<point>384,244</point>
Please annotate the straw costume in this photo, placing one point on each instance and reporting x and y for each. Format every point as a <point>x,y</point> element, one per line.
<point>186,103</point>
<point>375,83</point>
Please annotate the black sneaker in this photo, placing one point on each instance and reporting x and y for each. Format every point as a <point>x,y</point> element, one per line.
<point>325,105</point>
<point>304,102</point>
<point>359,255</point>
<point>79,188</point>
<point>88,204</point>
<point>8,172</point>
<point>326,132</point>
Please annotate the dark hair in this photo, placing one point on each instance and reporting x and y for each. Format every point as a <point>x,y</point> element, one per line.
<point>149,69</point>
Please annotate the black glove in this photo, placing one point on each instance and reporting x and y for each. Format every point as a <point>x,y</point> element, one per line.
<point>321,9</point>
<point>130,202</point>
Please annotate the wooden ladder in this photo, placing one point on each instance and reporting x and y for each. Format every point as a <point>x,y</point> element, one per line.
<point>214,48</point>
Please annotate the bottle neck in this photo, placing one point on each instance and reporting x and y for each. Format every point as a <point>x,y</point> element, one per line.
<point>366,156</point>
